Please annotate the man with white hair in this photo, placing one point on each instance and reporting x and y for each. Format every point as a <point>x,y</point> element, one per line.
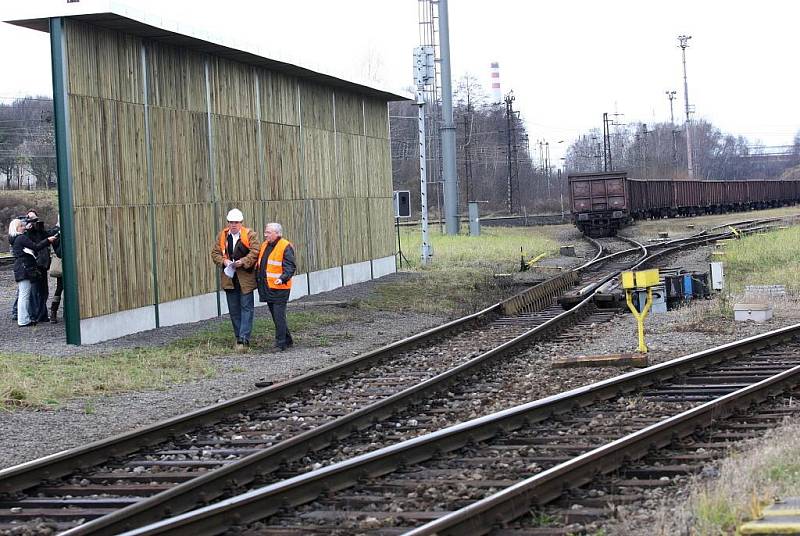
<point>275,268</point>
<point>236,252</point>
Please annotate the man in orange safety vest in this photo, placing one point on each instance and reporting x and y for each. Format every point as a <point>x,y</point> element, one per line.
<point>275,268</point>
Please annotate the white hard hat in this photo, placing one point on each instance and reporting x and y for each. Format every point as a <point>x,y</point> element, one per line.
<point>235,214</point>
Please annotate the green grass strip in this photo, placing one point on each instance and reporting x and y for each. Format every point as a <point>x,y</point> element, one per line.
<point>42,381</point>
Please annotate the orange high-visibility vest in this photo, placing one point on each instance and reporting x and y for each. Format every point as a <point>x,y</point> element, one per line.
<point>275,264</point>
<point>244,236</point>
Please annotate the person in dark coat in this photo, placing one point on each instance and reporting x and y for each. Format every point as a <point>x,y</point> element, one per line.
<point>40,290</point>
<point>26,270</point>
<point>276,266</point>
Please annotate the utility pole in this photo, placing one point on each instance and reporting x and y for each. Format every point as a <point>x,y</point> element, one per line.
<point>645,132</point>
<point>671,97</point>
<point>467,148</point>
<point>448,128</point>
<point>547,166</point>
<point>607,165</point>
<point>683,41</point>
<point>424,73</point>
<point>509,100</point>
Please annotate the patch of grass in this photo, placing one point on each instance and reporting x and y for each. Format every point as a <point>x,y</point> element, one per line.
<point>40,381</point>
<point>766,259</point>
<point>461,279</point>
<point>218,339</point>
<point>705,316</point>
<point>497,248</point>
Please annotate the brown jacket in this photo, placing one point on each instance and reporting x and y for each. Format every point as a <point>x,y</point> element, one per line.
<point>247,273</point>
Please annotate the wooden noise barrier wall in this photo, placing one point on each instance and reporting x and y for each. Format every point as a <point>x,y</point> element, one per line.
<point>164,140</point>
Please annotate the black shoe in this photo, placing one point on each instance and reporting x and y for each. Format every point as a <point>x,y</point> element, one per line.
<point>263,383</point>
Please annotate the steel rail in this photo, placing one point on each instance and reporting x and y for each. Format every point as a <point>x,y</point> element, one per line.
<point>28,474</point>
<point>258,504</point>
<point>516,500</point>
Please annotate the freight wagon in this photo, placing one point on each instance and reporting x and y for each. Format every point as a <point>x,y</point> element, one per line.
<point>604,202</point>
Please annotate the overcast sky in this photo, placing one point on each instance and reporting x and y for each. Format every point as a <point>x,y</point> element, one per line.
<point>568,61</point>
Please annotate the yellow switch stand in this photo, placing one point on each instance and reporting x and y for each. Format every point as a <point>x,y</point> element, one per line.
<point>643,279</point>
<point>640,316</point>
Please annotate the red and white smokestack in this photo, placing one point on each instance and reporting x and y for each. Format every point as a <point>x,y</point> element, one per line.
<point>497,94</point>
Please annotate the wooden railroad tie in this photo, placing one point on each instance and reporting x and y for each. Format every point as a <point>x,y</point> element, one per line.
<point>610,360</point>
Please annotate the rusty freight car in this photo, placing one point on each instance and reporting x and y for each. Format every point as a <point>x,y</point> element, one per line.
<point>604,202</point>
<point>599,202</point>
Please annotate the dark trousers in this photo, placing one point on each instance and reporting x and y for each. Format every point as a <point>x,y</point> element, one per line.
<point>282,336</point>
<point>38,304</point>
<point>240,307</point>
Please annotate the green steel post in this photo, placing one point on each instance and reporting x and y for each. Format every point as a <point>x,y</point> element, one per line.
<point>72,320</point>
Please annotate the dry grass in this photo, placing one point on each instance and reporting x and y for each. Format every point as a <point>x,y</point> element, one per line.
<point>748,480</point>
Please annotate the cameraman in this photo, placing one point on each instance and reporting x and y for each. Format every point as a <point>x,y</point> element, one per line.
<point>39,287</point>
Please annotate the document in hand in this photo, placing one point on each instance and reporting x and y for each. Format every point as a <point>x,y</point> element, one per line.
<point>230,270</point>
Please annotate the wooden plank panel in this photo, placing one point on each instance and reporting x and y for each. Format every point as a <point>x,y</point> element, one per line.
<point>115,265</point>
<point>282,161</point>
<point>235,158</point>
<point>81,42</point>
<point>180,156</point>
<point>351,158</point>
<point>292,216</point>
<point>278,98</point>
<point>119,66</point>
<point>355,230</point>
<point>349,113</point>
<point>316,106</point>
<point>381,225</point>
<point>325,250</point>
<point>319,165</point>
<point>176,78</point>
<point>108,152</point>
<point>184,238</point>
<point>128,153</point>
<point>379,168</point>
<point>233,90</point>
<point>376,116</point>
<point>89,144</point>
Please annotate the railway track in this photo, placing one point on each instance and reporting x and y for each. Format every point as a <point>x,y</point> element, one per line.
<point>225,447</point>
<point>477,476</point>
<point>291,408</point>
